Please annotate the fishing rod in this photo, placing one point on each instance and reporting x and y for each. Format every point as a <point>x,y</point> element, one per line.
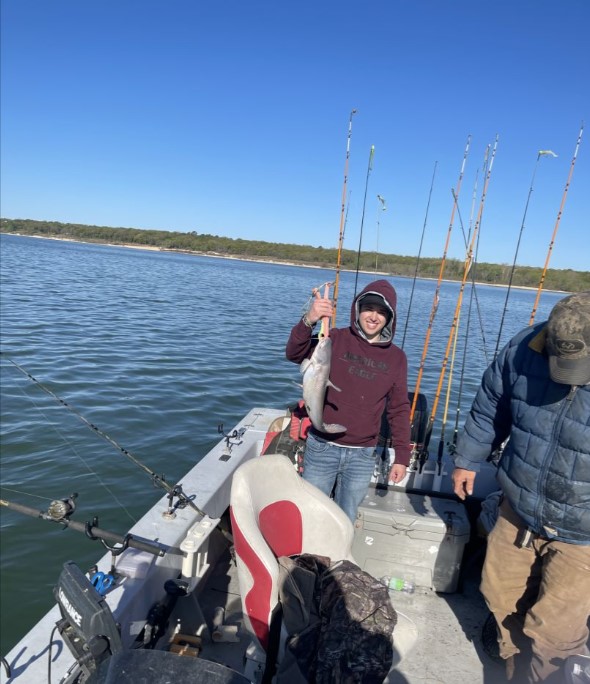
<point>158,480</point>
<point>559,213</point>
<point>441,443</point>
<point>419,255</point>
<point>358,257</point>
<point>466,238</point>
<point>383,207</point>
<point>472,296</point>
<point>467,267</point>
<point>342,220</point>
<point>541,153</point>
<point>473,284</point>
<point>60,510</point>
<point>460,390</point>
<point>436,298</point>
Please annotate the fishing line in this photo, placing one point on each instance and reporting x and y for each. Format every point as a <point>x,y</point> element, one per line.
<point>358,256</point>
<point>464,361</point>
<point>419,255</point>
<point>34,496</point>
<point>383,207</point>
<point>436,298</point>
<point>559,213</point>
<point>156,479</point>
<point>72,447</point>
<point>526,206</point>
<point>343,212</point>
<point>474,294</point>
<point>313,295</point>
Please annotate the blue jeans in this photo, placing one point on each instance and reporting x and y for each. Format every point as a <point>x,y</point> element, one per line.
<point>349,468</point>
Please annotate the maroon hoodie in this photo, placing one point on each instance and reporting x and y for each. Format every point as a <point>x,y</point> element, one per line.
<point>370,376</point>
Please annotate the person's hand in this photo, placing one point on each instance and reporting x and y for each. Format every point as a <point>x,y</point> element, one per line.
<point>397,472</point>
<point>463,482</point>
<point>319,308</point>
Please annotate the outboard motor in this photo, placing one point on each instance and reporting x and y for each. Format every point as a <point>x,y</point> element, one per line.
<point>87,626</point>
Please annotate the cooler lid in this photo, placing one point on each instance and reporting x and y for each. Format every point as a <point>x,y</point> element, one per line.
<point>414,513</point>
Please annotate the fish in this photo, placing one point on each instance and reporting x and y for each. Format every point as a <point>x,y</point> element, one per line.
<point>316,380</point>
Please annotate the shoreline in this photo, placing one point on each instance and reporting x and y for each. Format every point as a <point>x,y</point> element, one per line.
<point>214,255</point>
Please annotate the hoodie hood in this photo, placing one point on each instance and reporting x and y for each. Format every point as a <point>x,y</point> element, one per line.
<point>385,291</point>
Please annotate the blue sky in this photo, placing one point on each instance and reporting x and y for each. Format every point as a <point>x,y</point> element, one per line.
<point>232,118</point>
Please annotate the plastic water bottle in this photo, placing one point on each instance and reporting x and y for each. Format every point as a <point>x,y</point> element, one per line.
<point>398,584</point>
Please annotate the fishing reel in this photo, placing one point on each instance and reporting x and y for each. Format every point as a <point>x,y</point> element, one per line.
<point>62,509</point>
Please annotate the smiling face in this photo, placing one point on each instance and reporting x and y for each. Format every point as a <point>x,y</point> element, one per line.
<point>372,319</point>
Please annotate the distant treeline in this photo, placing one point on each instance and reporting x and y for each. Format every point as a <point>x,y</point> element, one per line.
<point>566,280</point>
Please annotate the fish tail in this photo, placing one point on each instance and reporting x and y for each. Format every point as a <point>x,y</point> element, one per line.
<point>332,428</point>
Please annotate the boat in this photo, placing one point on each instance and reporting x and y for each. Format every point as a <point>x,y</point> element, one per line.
<point>168,602</point>
<point>191,593</point>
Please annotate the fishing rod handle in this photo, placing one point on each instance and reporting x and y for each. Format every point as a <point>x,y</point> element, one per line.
<point>93,532</point>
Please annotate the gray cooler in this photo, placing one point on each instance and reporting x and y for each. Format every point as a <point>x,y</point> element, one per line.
<point>411,536</point>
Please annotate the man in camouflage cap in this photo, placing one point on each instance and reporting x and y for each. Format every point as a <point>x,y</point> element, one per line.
<point>536,577</point>
<point>568,340</point>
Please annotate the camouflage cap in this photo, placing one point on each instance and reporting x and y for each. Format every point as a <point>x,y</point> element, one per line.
<point>568,340</point>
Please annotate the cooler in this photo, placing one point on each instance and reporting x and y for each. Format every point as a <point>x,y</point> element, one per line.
<point>411,536</point>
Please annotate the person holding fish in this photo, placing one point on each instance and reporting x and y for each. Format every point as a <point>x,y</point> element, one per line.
<point>350,377</point>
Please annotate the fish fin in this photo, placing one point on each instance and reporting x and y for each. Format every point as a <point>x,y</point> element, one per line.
<point>332,428</point>
<point>304,365</point>
<point>333,386</point>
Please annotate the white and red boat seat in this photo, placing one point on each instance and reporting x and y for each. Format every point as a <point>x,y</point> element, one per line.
<point>274,512</point>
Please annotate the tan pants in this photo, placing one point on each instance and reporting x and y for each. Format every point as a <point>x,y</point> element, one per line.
<point>540,597</point>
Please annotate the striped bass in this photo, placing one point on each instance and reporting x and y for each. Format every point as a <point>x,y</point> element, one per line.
<point>316,379</point>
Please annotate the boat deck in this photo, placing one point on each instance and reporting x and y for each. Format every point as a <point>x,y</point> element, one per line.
<point>449,648</point>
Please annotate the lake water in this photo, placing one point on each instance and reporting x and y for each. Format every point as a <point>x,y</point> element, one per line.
<point>156,349</point>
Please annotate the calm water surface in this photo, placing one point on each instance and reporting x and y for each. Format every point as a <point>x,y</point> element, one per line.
<point>156,349</point>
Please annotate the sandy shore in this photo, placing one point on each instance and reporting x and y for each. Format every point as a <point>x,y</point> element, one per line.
<point>215,255</point>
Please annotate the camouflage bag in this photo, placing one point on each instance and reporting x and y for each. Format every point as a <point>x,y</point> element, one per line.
<point>340,623</point>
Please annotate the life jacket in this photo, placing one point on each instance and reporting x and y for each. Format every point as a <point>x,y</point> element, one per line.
<point>287,434</point>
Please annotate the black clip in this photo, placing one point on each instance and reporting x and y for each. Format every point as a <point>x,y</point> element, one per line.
<point>183,499</point>
<point>236,435</point>
<point>115,550</point>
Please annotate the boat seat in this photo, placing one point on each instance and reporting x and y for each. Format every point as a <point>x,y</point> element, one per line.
<point>274,512</point>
